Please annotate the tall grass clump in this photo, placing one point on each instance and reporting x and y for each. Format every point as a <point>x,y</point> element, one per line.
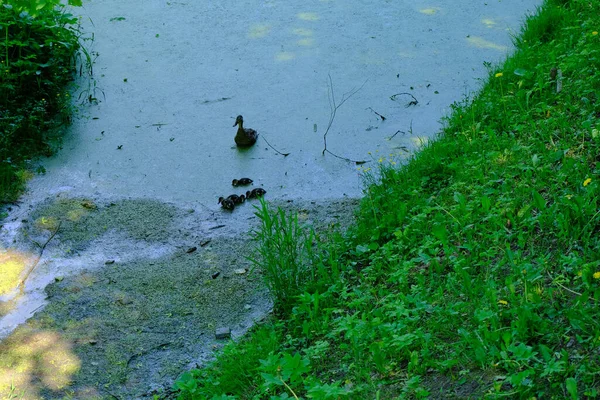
<point>284,254</point>
<point>39,42</point>
<point>473,271</point>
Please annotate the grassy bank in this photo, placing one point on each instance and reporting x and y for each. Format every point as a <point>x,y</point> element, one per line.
<point>39,43</point>
<point>472,271</point>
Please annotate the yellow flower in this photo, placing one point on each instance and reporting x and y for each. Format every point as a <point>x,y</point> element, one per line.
<point>380,160</point>
<point>596,275</point>
<point>587,181</point>
<point>595,33</point>
<point>503,302</point>
<point>498,75</point>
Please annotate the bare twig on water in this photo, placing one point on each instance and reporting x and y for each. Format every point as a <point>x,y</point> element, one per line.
<point>413,102</point>
<point>397,132</point>
<point>21,285</point>
<point>410,130</point>
<point>379,115</point>
<point>277,151</point>
<point>334,107</point>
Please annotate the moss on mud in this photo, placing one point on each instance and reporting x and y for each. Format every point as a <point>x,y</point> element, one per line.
<point>118,327</point>
<point>142,305</point>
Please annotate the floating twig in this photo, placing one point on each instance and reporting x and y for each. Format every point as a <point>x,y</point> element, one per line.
<point>413,102</point>
<point>334,107</point>
<point>216,101</point>
<point>397,132</point>
<point>379,115</point>
<point>277,151</point>
<point>410,130</point>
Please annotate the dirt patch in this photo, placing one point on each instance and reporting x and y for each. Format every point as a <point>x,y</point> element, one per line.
<point>138,289</point>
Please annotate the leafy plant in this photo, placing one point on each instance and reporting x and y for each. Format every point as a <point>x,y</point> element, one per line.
<point>38,49</point>
<point>473,269</point>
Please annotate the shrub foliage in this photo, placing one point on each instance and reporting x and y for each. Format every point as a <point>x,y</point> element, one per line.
<point>39,43</point>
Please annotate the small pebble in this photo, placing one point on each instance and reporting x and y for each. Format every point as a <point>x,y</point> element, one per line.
<point>223,333</point>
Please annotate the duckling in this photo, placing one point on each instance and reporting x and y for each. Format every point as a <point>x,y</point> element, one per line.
<point>237,199</point>
<point>241,182</point>
<point>233,197</point>
<point>227,204</point>
<point>245,137</point>
<point>255,193</point>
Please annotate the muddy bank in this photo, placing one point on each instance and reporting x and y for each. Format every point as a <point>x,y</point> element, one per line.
<point>149,285</point>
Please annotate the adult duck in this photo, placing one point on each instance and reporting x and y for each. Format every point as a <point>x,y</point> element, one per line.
<point>245,137</point>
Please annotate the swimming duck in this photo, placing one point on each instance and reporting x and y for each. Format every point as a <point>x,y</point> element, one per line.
<point>245,137</point>
<point>233,197</point>
<point>237,199</point>
<point>227,204</point>
<point>241,182</point>
<point>255,193</point>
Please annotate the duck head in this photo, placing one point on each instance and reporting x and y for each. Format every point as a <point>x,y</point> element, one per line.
<point>239,120</point>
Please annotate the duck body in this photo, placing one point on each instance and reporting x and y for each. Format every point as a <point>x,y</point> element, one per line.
<point>241,182</point>
<point>231,201</point>
<point>237,199</point>
<point>255,193</point>
<point>227,204</point>
<point>245,137</point>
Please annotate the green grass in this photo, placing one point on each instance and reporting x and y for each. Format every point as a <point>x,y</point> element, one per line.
<point>39,43</point>
<point>474,269</point>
